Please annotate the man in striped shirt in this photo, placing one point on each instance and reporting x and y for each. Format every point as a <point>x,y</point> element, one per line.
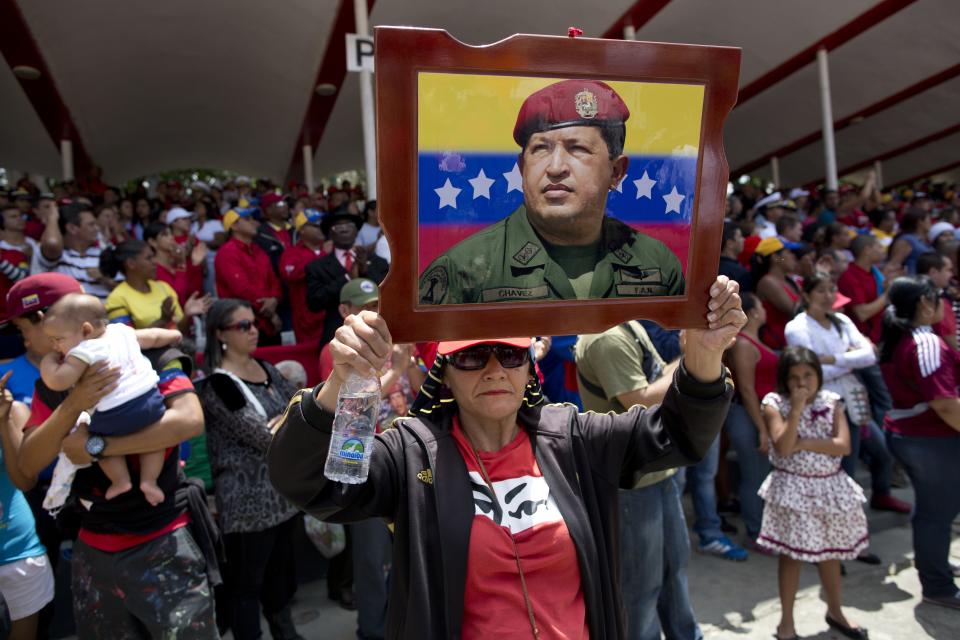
<point>80,257</point>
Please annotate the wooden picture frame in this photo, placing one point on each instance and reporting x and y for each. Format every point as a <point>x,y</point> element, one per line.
<point>408,59</point>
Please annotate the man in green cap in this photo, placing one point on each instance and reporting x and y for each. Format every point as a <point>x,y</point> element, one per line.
<point>560,244</point>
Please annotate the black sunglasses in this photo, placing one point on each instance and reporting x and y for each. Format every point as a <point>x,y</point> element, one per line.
<point>476,358</point>
<point>243,325</point>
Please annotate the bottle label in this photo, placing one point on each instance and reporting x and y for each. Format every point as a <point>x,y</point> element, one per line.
<point>351,449</point>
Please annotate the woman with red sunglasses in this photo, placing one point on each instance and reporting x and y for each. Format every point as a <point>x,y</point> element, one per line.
<point>504,508</point>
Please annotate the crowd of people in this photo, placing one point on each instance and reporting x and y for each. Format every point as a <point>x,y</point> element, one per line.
<point>188,316</point>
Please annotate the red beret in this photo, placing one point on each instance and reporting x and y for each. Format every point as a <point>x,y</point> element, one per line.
<point>268,199</point>
<point>37,292</point>
<point>570,103</point>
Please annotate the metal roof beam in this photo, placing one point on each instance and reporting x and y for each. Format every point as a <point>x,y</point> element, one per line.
<point>19,48</point>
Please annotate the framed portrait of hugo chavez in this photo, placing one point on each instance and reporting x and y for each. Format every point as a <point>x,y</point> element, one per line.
<point>547,185</point>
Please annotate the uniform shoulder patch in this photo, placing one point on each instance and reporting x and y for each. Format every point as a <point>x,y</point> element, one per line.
<point>526,253</point>
<point>623,255</point>
<point>434,285</point>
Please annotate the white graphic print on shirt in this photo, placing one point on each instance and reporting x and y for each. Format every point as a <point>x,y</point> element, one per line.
<point>522,503</point>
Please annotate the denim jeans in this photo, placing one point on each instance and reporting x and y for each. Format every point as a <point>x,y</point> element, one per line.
<point>932,465</point>
<point>701,478</point>
<point>880,401</point>
<point>372,559</point>
<point>754,466</point>
<point>654,550</point>
<point>874,451</point>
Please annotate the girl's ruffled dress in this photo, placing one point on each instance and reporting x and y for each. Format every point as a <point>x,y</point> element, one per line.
<point>813,509</point>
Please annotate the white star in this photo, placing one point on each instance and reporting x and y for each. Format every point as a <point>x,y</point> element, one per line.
<point>673,200</point>
<point>481,185</point>
<point>644,185</point>
<point>448,195</point>
<point>514,179</point>
<point>619,187</point>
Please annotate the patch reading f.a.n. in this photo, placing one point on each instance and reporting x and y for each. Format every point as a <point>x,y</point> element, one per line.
<point>506,294</point>
<point>526,253</point>
<point>630,290</point>
<point>434,285</point>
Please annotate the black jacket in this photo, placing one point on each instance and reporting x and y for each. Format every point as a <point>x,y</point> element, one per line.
<point>325,277</point>
<point>418,480</point>
<point>267,240</point>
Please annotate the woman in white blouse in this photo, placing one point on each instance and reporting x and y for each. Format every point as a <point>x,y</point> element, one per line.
<point>842,349</point>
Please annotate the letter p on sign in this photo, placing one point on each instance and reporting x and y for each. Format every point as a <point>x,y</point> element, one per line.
<point>359,52</point>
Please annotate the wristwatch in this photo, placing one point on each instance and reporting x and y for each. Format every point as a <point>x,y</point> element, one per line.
<point>95,446</point>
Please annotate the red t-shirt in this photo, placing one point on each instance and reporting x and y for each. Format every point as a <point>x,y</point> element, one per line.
<point>186,280</point>
<point>326,362</point>
<point>494,605</point>
<point>765,371</point>
<point>947,326</point>
<point>17,259</point>
<point>307,325</point>
<point>772,333</point>
<point>860,286</point>
<point>923,368</point>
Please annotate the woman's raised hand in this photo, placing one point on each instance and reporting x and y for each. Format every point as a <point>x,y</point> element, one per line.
<point>363,344</point>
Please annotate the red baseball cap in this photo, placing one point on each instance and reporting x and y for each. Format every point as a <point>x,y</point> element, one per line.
<point>270,198</point>
<point>570,103</point>
<point>446,348</point>
<point>36,293</point>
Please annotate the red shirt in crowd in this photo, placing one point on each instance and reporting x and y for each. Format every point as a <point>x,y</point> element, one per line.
<point>17,259</point>
<point>307,325</point>
<point>525,509</point>
<point>947,326</point>
<point>244,271</point>
<point>772,333</point>
<point>860,286</point>
<point>765,371</point>
<point>185,280</point>
<point>923,368</point>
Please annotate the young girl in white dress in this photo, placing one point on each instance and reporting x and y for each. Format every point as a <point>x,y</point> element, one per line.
<point>813,511</point>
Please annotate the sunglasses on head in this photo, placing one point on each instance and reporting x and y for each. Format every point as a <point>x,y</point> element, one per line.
<point>243,325</point>
<point>476,358</point>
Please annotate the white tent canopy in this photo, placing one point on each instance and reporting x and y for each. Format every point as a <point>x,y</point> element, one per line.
<point>230,84</point>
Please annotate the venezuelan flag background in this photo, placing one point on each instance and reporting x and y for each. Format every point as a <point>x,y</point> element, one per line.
<point>468,178</point>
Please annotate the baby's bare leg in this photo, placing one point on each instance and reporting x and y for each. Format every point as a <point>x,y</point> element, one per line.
<point>115,468</point>
<point>150,466</point>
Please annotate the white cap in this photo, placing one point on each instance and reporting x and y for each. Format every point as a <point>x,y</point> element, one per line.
<point>798,193</point>
<point>939,229</point>
<point>177,213</point>
<point>773,198</point>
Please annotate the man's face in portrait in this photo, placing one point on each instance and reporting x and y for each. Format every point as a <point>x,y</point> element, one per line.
<point>567,174</point>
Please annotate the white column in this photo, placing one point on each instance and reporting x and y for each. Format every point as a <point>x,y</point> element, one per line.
<point>775,171</point>
<point>308,167</point>
<point>826,113</point>
<point>629,32</point>
<point>878,169</point>
<point>66,159</point>
<point>366,105</point>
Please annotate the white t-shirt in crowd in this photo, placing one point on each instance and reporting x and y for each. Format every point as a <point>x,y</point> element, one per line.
<point>383,249</point>
<point>206,232</point>
<point>368,234</point>
<point>118,345</point>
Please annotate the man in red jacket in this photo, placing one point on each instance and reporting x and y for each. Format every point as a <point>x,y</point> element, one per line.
<point>244,272</point>
<point>307,325</point>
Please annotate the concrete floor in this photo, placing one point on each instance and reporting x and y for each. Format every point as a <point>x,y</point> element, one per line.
<point>739,600</point>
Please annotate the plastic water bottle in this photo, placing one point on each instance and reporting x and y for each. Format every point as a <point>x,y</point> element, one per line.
<point>355,424</point>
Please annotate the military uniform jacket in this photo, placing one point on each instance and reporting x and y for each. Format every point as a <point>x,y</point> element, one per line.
<point>419,482</point>
<point>507,262</point>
